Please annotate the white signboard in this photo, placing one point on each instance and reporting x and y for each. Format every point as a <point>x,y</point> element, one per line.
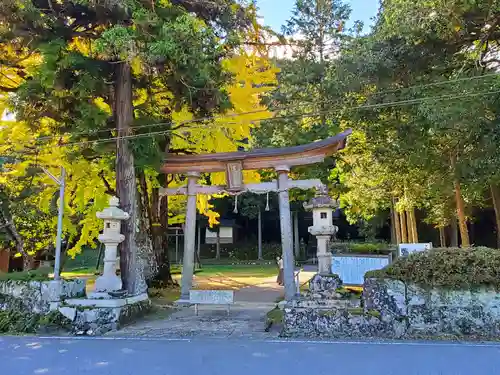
<point>225,236</point>
<point>211,297</point>
<point>352,269</point>
<point>406,249</point>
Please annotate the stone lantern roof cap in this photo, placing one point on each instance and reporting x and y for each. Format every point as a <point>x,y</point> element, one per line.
<point>113,212</point>
<point>321,201</point>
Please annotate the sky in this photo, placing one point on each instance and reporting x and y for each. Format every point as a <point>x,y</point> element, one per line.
<point>276,12</point>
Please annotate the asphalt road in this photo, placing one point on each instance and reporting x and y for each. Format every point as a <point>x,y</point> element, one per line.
<point>55,356</point>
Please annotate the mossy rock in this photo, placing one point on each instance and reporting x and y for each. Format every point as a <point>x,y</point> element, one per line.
<point>275,316</point>
<point>374,313</point>
<point>328,313</point>
<point>22,322</point>
<point>450,268</point>
<point>40,274</point>
<point>356,311</point>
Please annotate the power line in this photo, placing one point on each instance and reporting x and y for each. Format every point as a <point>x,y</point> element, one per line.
<point>298,115</point>
<point>212,118</point>
<point>439,83</point>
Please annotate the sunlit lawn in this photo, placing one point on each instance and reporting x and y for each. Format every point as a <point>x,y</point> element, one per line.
<point>214,277</point>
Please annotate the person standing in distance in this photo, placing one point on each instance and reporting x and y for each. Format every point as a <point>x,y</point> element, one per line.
<point>279,280</point>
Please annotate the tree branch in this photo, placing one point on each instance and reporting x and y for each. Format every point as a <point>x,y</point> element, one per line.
<point>8,89</point>
<point>109,189</point>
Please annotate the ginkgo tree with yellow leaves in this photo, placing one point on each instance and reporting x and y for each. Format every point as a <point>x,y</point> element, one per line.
<point>254,76</point>
<point>29,196</point>
<point>111,89</point>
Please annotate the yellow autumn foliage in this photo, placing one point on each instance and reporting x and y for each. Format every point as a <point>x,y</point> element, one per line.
<point>254,75</point>
<point>85,192</point>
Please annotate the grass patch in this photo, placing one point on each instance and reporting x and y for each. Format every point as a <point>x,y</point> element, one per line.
<point>164,296</point>
<point>235,262</point>
<point>81,272</point>
<point>275,316</point>
<point>240,270</point>
<point>40,274</point>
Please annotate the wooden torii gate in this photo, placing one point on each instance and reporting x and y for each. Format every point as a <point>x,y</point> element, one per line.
<point>233,163</point>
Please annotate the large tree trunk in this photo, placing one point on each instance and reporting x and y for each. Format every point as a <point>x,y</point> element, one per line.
<point>159,208</point>
<point>126,185</point>
<point>7,222</point>
<point>393,228</point>
<point>454,232</point>
<point>404,227</point>
<point>442,237</point>
<point>495,195</point>
<point>409,226</point>
<point>462,220</point>
<point>145,235</point>
<point>19,242</point>
<point>460,204</point>
<point>412,227</point>
<point>396,222</point>
<point>155,224</point>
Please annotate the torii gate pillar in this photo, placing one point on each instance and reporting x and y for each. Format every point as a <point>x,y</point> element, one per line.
<point>286,232</point>
<point>189,236</point>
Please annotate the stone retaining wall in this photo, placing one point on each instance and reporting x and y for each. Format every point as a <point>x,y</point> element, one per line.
<point>37,296</point>
<point>435,312</point>
<point>95,317</point>
<point>393,309</point>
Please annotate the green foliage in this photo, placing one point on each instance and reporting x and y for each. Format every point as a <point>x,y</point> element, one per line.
<point>374,313</point>
<point>86,259</point>
<point>275,316</point>
<point>247,252</point>
<point>60,73</point>
<point>347,293</point>
<point>23,322</point>
<point>453,268</point>
<point>39,274</point>
<point>357,311</point>
<point>361,247</point>
<point>305,84</point>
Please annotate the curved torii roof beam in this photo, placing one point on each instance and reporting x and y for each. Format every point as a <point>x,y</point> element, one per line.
<point>257,159</point>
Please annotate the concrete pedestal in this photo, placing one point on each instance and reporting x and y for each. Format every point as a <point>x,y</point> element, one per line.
<point>324,255</point>
<point>93,317</point>
<point>109,281</point>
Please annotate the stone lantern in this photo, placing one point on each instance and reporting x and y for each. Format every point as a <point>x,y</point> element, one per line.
<point>111,238</point>
<point>322,207</point>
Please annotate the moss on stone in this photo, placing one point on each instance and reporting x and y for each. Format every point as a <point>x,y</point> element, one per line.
<point>137,310</point>
<point>347,293</point>
<point>327,313</point>
<point>450,268</point>
<point>356,311</point>
<point>22,322</point>
<point>275,316</point>
<point>41,274</point>
<point>374,313</point>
